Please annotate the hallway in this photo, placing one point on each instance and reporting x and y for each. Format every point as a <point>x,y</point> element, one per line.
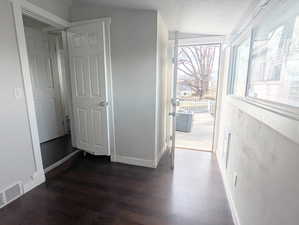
<point>95,191</point>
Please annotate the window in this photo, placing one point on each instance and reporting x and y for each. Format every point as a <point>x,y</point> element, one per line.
<point>240,68</point>
<point>265,67</point>
<point>274,69</point>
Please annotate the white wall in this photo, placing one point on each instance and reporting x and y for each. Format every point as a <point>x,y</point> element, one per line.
<point>133,53</point>
<point>265,157</point>
<point>16,155</point>
<point>163,87</point>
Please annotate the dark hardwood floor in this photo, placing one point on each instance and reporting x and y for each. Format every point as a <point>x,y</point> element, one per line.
<point>96,192</point>
<point>55,150</point>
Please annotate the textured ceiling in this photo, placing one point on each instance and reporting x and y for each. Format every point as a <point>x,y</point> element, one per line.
<point>190,16</point>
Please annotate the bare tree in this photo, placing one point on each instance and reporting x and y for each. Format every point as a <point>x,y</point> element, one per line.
<point>196,65</point>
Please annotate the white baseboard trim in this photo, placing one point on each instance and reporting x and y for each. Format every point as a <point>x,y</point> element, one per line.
<point>134,161</point>
<point>229,194</point>
<point>53,166</point>
<point>36,179</point>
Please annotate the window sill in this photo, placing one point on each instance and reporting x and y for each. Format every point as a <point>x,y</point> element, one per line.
<point>286,123</point>
<point>283,110</point>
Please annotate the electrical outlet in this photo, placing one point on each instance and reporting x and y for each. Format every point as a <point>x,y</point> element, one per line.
<point>235,179</point>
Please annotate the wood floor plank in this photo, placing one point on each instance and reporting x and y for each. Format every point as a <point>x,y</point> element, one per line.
<point>94,191</point>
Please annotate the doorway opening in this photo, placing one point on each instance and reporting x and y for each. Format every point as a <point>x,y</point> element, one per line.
<point>50,86</point>
<point>196,95</point>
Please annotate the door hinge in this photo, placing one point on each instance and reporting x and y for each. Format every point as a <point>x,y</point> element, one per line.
<point>103,103</point>
<point>175,102</point>
<point>172,114</point>
<point>173,60</point>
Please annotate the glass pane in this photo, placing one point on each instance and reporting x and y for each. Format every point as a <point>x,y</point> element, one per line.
<point>274,74</point>
<point>198,67</point>
<point>241,68</point>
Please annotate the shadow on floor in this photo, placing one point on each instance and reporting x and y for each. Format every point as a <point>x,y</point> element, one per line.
<point>55,150</point>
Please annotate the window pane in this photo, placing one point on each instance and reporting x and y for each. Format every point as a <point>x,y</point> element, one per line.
<point>241,68</point>
<point>274,73</point>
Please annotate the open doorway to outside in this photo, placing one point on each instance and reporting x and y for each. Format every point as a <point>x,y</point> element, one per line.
<point>50,86</point>
<point>197,82</point>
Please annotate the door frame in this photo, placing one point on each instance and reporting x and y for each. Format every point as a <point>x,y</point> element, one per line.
<point>215,40</point>
<point>20,8</point>
<point>174,98</point>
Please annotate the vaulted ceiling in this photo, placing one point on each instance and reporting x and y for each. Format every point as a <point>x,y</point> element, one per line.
<point>190,16</point>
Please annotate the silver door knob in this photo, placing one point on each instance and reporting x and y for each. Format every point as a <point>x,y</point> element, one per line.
<point>103,104</point>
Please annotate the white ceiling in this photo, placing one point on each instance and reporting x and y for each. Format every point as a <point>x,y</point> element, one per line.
<point>190,16</point>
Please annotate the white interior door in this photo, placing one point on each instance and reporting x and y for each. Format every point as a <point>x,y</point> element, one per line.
<point>45,89</point>
<point>88,65</point>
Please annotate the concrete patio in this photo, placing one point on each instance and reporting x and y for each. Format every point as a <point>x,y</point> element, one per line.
<point>201,135</point>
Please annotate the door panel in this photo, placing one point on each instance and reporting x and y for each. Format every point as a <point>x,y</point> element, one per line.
<point>46,92</point>
<point>87,52</point>
<point>82,118</point>
<point>80,69</point>
<point>98,116</point>
<point>97,66</point>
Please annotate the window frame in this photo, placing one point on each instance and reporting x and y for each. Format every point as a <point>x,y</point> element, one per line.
<point>231,74</point>
<point>277,107</point>
<point>285,110</point>
<point>232,71</point>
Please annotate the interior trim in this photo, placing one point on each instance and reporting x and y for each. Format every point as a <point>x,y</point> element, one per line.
<point>60,162</point>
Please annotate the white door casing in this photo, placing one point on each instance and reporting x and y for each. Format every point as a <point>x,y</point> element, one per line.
<point>45,85</point>
<point>88,66</point>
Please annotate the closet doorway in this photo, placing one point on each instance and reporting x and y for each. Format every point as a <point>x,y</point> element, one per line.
<point>50,87</point>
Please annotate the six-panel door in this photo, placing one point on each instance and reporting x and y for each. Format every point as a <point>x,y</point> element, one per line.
<point>88,77</point>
